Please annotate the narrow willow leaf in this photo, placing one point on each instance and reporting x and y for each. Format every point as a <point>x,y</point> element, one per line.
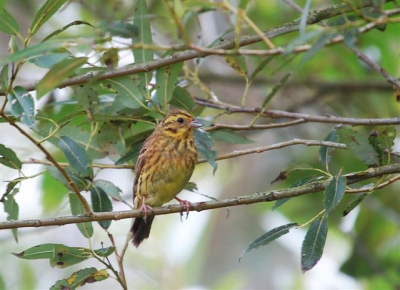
<point>43,251</point>
<point>359,146</point>
<point>276,89</point>
<point>12,209</point>
<point>9,158</point>
<point>119,28</point>
<point>292,167</point>
<point>127,91</point>
<point>79,181</point>
<point>77,156</point>
<point>53,192</point>
<point>101,203</point>
<point>45,13</point>
<point>111,141</point>
<point>268,237</point>
<point>204,144</point>
<point>48,60</point>
<point>22,105</point>
<point>313,244</point>
<point>166,79</point>
<point>4,78</point>
<point>385,140</point>
<point>142,55</point>
<point>317,46</point>
<point>300,182</point>
<point>31,51</point>
<point>109,188</point>
<point>354,204</point>
<point>229,136</point>
<point>77,209</point>
<point>324,152</point>
<point>80,278</point>
<point>334,192</point>
<point>260,67</point>
<point>303,19</point>
<point>238,63</point>
<point>131,155</point>
<point>105,252</point>
<point>8,24</point>
<point>181,98</point>
<point>58,73</point>
<point>64,256</point>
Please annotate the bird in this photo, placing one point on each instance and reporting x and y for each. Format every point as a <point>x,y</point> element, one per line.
<point>164,167</point>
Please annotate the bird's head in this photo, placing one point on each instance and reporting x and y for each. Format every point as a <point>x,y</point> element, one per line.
<point>179,124</point>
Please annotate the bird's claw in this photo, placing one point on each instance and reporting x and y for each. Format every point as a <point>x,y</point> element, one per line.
<point>186,204</point>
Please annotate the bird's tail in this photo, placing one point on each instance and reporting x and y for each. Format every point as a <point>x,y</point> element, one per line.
<point>141,229</point>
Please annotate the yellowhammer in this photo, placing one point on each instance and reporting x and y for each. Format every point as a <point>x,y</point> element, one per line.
<point>165,164</point>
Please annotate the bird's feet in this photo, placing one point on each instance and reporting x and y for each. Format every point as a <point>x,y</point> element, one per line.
<point>186,204</point>
<point>145,208</point>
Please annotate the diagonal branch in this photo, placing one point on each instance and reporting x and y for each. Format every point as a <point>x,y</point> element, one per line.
<point>267,196</point>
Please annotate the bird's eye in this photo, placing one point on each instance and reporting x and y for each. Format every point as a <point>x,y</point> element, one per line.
<point>180,120</point>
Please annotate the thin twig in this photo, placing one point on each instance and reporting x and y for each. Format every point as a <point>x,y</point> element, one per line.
<point>200,206</point>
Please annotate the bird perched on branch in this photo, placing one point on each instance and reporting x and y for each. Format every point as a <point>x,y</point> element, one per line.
<point>165,164</point>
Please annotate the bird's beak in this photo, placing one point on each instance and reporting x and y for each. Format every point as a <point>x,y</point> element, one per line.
<point>195,124</point>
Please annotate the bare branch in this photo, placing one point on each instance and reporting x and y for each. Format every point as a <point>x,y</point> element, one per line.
<point>267,196</point>
<point>277,114</point>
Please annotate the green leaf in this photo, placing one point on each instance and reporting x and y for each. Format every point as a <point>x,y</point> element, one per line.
<point>111,140</point>
<point>269,237</point>
<point>80,278</point>
<point>101,203</point>
<point>126,90</point>
<point>300,182</point>
<point>166,79</point>
<point>142,55</point>
<point>301,40</point>
<point>64,256</point>
<point>119,28</point>
<point>204,144</point>
<point>22,105</point>
<point>292,167</point>
<point>303,19</point>
<point>354,204</point>
<point>261,66</point>
<point>108,187</point>
<point>77,209</point>
<point>359,146</point>
<point>132,154</point>
<point>313,244</point>
<point>317,46</point>
<point>8,24</point>
<point>334,192</point>
<point>43,251</point>
<point>229,136</point>
<point>79,181</point>
<point>238,63</point>
<point>49,59</point>
<point>58,73</point>
<point>105,252</point>
<point>324,152</point>
<point>383,142</point>
<point>53,192</point>
<point>276,89</point>
<point>45,13</point>
<point>181,98</point>
<point>9,158</point>
<point>12,209</point>
<point>77,156</point>
<point>4,78</point>
<point>31,51</point>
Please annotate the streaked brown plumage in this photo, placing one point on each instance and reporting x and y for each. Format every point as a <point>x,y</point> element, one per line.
<point>165,164</point>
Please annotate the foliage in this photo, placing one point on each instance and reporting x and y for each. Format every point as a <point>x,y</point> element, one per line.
<point>113,106</point>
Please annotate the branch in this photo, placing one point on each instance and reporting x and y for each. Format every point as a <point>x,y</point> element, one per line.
<point>277,114</point>
<point>313,18</point>
<point>267,196</point>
